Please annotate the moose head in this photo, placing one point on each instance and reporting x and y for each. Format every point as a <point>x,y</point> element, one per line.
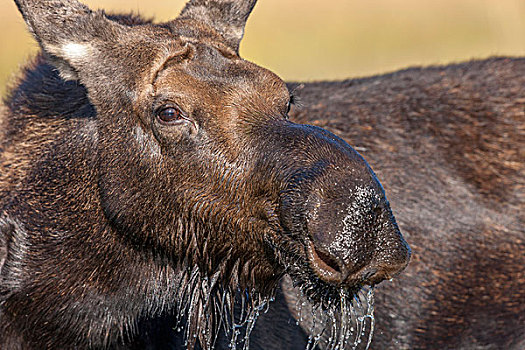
<point>193,164</point>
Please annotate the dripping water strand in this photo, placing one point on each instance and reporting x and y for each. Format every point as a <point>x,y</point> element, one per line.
<point>370,314</point>
<point>252,306</point>
<point>342,324</point>
<point>204,308</point>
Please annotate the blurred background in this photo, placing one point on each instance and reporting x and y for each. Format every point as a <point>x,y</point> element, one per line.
<point>332,39</point>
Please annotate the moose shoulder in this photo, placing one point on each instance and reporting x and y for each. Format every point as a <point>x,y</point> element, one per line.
<point>153,189</point>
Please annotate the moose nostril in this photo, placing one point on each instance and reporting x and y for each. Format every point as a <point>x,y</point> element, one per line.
<point>328,260</point>
<point>324,265</point>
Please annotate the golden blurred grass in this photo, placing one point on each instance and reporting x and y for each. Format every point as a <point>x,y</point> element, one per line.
<point>333,39</point>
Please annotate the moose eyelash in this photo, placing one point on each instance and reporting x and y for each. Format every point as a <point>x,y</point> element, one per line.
<point>293,99</point>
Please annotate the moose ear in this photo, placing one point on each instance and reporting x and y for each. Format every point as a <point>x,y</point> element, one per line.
<point>228,17</point>
<point>66,30</point>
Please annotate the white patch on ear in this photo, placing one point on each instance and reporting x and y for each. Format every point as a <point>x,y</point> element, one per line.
<point>70,52</point>
<point>75,51</point>
<point>69,57</point>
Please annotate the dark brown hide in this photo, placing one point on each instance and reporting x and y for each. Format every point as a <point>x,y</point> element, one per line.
<point>448,143</point>
<point>149,176</point>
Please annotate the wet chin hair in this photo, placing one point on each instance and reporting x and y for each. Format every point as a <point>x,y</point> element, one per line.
<point>207,308</point>
<point>335,318</point>
<point>340,319</point>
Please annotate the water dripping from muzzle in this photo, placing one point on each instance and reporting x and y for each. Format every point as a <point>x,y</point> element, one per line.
<point>205,310</point>
<point>347,323</point>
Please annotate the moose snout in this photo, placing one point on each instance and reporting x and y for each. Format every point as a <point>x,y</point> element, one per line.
<point>353,239</point>
<point>334,268</point>
<point>349,234</point>
<point>332,205</point>
<point>338,209</point>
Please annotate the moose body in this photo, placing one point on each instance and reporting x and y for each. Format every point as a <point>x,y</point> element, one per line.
<point>148,176</point>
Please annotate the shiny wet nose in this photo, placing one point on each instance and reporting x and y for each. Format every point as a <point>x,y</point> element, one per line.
<point>355,242</point>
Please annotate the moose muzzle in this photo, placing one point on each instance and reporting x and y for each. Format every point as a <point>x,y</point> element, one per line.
<point>333,203</point>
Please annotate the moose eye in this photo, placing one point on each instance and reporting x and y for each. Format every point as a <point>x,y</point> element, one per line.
<point>169,114</point>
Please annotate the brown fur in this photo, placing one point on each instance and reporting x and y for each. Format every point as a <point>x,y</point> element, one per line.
<point>448,145</point>
<point>120,226</point>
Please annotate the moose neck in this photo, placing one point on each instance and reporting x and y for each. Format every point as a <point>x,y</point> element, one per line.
<point>90,294</point>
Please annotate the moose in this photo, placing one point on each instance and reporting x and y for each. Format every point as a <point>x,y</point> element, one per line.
<point>158,191</point>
